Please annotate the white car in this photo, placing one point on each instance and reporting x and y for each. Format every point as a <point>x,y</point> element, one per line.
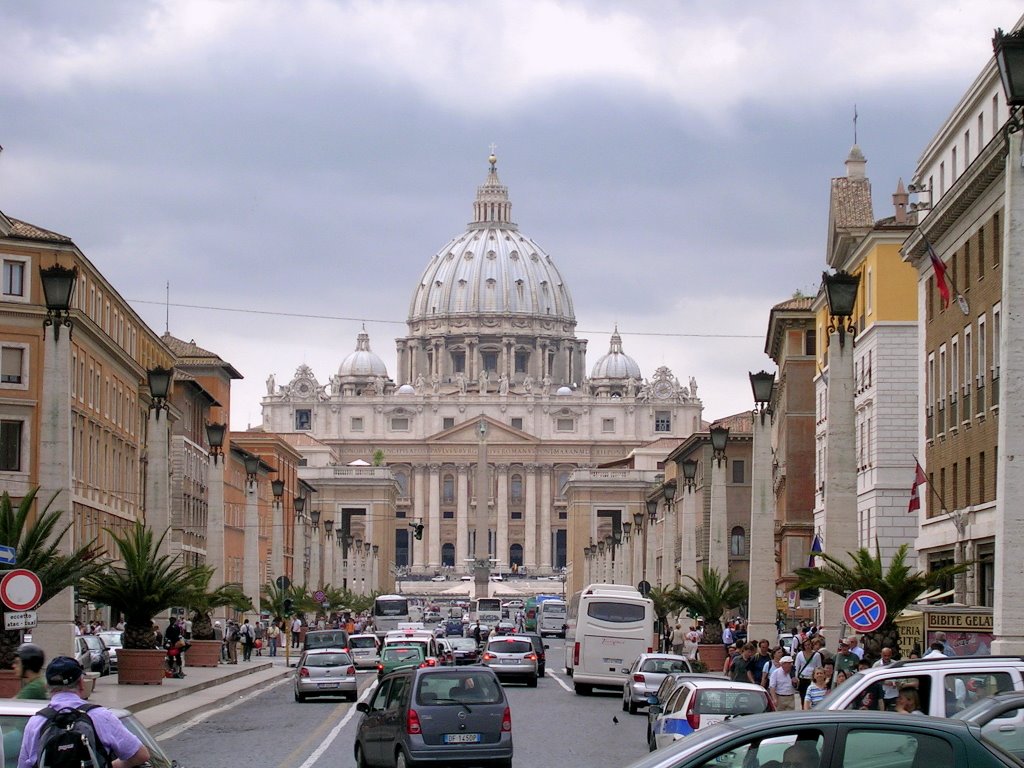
<point>439,578</point>
<point>696,704</point>
<point>365,650</point>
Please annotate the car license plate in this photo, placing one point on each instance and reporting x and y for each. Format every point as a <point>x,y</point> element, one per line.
<point>461,738</point>
<point>327,685</point>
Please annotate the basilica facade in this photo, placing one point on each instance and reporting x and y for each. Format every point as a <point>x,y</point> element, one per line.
<point>490,348</point>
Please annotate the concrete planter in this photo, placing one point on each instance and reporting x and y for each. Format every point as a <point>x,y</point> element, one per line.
<point>140,666</point>
<point>203,653</point>
<point>9,684</point>
<point>713,656</point>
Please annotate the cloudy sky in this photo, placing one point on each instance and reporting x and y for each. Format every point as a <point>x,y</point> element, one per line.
<point>298,162</point>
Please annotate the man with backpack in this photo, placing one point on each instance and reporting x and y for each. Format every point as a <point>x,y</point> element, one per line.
<point>248,638</point>
<point>54,737</point>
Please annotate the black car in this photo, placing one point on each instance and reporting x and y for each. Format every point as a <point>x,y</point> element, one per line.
<point>435,716</point>
<point>538,646</point>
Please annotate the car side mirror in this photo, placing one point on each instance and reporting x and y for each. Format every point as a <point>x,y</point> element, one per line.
<point>652,699</point>
<point>625,670</point>
<point>363,707</point>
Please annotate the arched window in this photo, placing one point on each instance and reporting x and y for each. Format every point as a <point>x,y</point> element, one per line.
<point>516,488</point>
<point>515,555</point>
<point>448,489</point>
<point>448,555</point>
<point>737,542</point>
<point>563,483</point>
<point>403,483</point>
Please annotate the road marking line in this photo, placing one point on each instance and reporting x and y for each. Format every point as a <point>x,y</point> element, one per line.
<point>175,730</point>
<point>316,754</point>
<point>558,680</point>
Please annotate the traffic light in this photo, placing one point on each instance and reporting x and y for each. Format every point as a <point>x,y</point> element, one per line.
<point>418,531</point>
<point>288,606</point>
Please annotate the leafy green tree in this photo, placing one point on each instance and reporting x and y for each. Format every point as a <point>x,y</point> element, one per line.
<point>899,586</point>
<point>710,596</point>
<point>142,583</point>
<point>203,601</point>
<point>37,542</point>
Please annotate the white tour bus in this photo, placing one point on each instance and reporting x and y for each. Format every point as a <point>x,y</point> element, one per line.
<point>486,610</point>
<point>607,627</point>
<point>388,612</point>
<point>551,618</point>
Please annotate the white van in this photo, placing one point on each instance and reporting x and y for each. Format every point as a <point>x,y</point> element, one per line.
<point>607,627</point>
<point>551,618</point>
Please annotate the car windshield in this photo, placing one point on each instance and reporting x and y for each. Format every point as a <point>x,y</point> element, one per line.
<point>362,642</point>
<point>402,654</point>
<point>453,688</point>
<point>510,646</point>
<point>326,640</point>
<point>327,660</point>
<point>93,642</point>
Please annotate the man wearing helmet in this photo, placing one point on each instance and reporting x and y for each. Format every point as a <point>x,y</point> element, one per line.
<point>28,664</point>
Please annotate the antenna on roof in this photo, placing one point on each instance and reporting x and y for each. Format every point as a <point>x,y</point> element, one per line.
<point>854,123</point>
<point>167,308</point>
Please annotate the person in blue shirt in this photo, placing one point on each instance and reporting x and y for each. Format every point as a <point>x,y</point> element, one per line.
<point>64,676</point>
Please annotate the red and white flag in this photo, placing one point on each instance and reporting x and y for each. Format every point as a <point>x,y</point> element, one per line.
<point>939,266</point>
<point>915,498</point>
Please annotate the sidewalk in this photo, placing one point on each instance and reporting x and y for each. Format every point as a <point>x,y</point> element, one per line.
<point>202,688</point>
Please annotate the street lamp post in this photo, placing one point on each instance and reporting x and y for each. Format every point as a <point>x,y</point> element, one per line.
<point>668,536</point>
<point>215,433</point>
<point>277,530</point>
<point>648,558</point>
<point>688,523</point>
<point>627,553</point>
<point>1008,609</point>
<point>329,560</point>
<point>718,551</point>
<point>251,566</point>
<point>299,505</point>
<point>839,524</point>
<point>314,546</point>
<point>762,575</point>
<point>158,446</point>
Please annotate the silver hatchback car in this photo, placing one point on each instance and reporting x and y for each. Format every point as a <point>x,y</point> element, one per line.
<point>645,676</point>
<point>512,657</point>
<point>326,672</point>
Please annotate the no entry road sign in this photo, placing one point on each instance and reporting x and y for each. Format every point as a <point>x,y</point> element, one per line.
<point>864,611</point>
<point>20,590</point>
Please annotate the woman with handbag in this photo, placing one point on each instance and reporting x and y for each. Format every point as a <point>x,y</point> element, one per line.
<point>804,665</point>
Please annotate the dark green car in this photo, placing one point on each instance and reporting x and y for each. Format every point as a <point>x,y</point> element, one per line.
<point>394,657</point>
<point>833,739</point>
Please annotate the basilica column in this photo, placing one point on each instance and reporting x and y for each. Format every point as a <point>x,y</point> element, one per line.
<point>530,520</point>
<point>403,363</point>
<point>545,519</point>
<point>501,510</point>
<point>419,509</point>
<point>471,368</point>
<point>462,518</point>
<point>434,521</point>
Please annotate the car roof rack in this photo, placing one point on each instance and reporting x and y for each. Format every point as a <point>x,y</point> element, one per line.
<point>947,659</point>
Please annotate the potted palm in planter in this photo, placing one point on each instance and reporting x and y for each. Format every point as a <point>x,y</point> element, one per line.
<point>37,543</point>
<point>205,650</point>
<point>140,586</point>
<point>710,596</point>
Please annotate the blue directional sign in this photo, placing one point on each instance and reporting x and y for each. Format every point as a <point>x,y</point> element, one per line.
<point>8,555</point>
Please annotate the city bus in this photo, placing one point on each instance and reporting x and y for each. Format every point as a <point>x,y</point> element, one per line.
<point>551,617</point>
<point>388,612</point>
<point>486,610</point>
<point>607,627</point>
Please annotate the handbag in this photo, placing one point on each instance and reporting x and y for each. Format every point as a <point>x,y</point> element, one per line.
<point>258,644</point>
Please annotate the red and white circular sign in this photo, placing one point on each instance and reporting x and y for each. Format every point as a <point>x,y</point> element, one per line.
<point>21,590</point>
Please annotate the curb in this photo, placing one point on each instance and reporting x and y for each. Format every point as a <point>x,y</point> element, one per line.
<point>192,688</point>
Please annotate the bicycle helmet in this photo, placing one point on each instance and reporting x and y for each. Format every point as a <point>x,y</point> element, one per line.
<point>32,657</point>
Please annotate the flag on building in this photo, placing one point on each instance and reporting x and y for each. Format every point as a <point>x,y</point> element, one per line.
<point>940,273</point>
<point>815,551</point>
<point>919,480</point>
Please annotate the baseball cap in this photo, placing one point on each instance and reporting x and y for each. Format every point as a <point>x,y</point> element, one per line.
<point>63,670</point>
<point>784,659</point>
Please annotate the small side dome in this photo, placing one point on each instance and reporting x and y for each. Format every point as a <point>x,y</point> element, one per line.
<point>363,363</point>
<point>616,364</point>
<point>563,391</point>
<point>406,389</point>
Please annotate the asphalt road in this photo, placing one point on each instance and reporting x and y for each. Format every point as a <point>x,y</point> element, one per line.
<point>551,726</point>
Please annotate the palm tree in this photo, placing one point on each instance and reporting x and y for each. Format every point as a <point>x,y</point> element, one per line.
<point>710,596</point>
<point>899,586</point>
<point>273,597</point>
<point>203,601</point>
<point>666,601</point>
<point>37,544</point>
<point>142,584</point>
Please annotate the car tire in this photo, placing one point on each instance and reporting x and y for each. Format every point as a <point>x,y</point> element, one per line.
<point>300,696</point>
<point>361,757</point>
<point>531,682</point>
<point>353,697</point>
<point>625,706</point>
<point>402,760</point>
<point>502,763</point>
<point>582,689</point>
<point>632,707</point>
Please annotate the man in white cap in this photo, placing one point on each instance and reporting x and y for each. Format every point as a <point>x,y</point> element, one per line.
<point>782,685</point>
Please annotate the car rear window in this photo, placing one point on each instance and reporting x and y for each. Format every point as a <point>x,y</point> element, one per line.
<point>663,666</point>
<point>616,613</point>
<point>402,654</point>
<point>463,643</point>
<point>327,660</point>
<point>726,702</point>
<point>510,646</point>
<point>362,642</point>
<point>455,689</point>
<point>337,639</point>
